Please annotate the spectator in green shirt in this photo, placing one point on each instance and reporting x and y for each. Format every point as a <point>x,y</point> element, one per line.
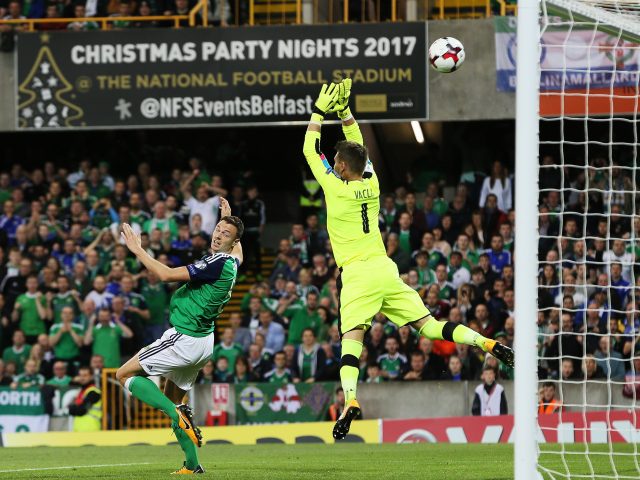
<point>60,377</point>
<point>30,377</point>
<point>65,337</point>
<point>231,351</point>
<point>162,222</point>
<point>305,318</point>
<point>64,298</point>
<point>157,299</point>
<point>19,352</point>
<point>104,335</point>
<point>30,310</point>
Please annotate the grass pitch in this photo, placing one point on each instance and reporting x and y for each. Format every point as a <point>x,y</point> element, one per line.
<point>317,461</point>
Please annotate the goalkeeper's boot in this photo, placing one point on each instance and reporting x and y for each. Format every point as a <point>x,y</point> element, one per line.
<point>341,428</point>
<point>185,471</point>
<point>185,422</point>
<point>500,351</point>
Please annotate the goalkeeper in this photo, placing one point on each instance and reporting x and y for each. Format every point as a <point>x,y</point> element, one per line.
<point>369,282</point>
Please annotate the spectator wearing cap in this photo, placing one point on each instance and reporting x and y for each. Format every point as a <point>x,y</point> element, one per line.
<point>489,399</point>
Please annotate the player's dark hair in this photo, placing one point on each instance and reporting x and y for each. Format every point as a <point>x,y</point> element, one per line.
<point>353,154</point>
<point>236,222</point>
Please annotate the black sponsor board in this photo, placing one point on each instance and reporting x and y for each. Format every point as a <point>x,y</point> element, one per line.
<point>230,76</point>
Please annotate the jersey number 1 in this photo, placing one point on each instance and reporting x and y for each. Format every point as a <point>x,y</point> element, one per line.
<point>365,219</point>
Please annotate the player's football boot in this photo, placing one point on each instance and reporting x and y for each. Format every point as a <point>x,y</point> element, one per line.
<point>500,351</point>
<point>341,428</point>
<point>185,422</point>
<point>185,471</point>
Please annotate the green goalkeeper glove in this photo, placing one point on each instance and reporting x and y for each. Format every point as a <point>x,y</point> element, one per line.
<point>327,99</point>
<point>342,104</point>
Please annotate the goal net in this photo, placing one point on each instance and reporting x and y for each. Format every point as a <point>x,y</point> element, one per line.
<point>588,240</point>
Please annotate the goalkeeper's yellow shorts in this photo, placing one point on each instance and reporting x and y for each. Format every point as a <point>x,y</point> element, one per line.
<point>366,287</point>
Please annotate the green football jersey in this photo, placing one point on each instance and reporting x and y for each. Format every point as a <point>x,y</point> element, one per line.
<point>393,364</point>
<point>61,300</point>
<point>195,305</point>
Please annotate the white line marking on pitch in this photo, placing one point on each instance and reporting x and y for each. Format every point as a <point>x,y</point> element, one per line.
<point>74,467</point>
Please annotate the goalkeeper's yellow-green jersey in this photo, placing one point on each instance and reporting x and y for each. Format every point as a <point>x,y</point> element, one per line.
<point>352,207</point>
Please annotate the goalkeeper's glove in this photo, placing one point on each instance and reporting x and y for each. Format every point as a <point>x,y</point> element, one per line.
<point>327,99</point>
<point>342,104</point>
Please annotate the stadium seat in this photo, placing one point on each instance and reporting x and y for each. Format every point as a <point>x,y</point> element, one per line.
<point>464,9</point>
<point>270,12</point>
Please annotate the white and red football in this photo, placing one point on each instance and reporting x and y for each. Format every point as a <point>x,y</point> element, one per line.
<point>446,54</point>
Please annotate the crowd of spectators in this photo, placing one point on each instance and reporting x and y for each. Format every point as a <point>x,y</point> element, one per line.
<point>70,289</point>
<point>458,255</point>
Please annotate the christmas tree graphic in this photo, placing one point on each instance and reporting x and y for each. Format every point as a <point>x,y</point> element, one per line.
<point>44,95</point>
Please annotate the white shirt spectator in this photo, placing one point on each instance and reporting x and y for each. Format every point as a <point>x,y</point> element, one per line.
<point>208,210</point>
<point>501,189</point>
<point>101,300</point>
<point>626,259</point>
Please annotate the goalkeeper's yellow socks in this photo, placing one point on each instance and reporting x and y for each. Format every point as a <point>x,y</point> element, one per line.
<point>144,389</point>
<point>454,332</point>
<point>188,447</point>
<point>350,369</point>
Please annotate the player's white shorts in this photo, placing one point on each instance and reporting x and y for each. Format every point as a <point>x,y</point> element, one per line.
<point>177,357</point>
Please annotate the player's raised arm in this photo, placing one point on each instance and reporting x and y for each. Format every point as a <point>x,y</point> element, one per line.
<point>164,273</point>
<point>225,211</point>
<point>350,127</point>
<point>311,149</point>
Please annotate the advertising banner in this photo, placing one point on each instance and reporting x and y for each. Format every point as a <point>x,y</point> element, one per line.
<point>362,431</point>
<point>272,403</point>
<point>574,427</point>
<point>22,410</point>
<point>223,76</point>
<point>573,60</point>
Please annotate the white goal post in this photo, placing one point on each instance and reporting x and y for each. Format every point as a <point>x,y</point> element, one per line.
<point>577,103</point>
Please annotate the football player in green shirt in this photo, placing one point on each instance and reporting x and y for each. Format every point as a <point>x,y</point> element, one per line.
<point>187,346</point>
<point>369,281</point>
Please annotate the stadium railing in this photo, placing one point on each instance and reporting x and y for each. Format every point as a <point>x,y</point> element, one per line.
<point>106,22</point>
<point>125,412</point>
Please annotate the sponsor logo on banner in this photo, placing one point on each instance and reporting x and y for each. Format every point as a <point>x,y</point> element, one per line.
<point>573,427</point>
<point>286,398</point>
<point>22,411</point>
<point>263,75</point>
<point>570,60</point>
<point>251,399</point>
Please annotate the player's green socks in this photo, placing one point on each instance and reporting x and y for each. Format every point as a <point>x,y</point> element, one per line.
<point>144,389</point>
<point>454,332</point>
<point>188,447</point>
<point>350,369</point>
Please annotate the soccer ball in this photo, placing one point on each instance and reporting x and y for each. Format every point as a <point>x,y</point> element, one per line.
<point>446,54</point>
